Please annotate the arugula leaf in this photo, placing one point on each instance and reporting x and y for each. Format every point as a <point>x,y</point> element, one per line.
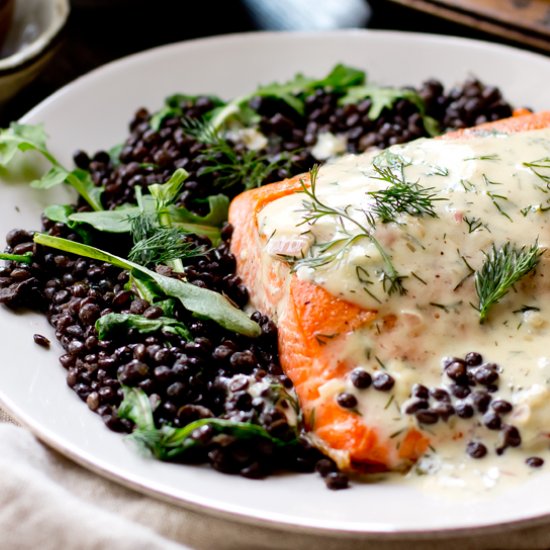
<point>59,213</point>
<point>338,80</point>
<point>82,182</point>
<point>167,442</point>
<point>23,137</point>
<point>204,303</point>
<point>149,292</point>
<point>341,78</point>
<point>54,176</point>
<point>110,221</point>
<point>114,153</point>
<point>137,408</point>
<point>26,137</point>
<point>116,323</point>
<point>217,212</point>
<point>121,219</point>
<point>385,98</point>
<point>293,93</point>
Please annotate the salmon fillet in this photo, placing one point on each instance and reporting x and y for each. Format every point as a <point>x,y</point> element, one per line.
<point>308,316</point>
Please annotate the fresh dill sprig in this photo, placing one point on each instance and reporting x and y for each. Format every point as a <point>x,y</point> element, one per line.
<point>502,269</point>
<point>534,208</point>
<point>164,245</point>
<point>248,168</point>
<point>473,223</point>
<point>323,253</point>
<point>537,165</point>
<point>495,198</point>
<point>493,156</point>
<point>315,209</point>
<point>401,196</point>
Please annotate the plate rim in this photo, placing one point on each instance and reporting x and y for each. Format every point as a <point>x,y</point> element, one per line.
<point>301,526</point>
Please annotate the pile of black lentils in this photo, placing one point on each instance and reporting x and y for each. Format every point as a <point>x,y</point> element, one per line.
<point>212,375</point>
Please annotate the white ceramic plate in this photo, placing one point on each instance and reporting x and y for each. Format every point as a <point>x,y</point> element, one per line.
<point>92,113</point>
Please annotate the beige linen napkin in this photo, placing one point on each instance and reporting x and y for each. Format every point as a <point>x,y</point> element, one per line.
<point>48,502</point>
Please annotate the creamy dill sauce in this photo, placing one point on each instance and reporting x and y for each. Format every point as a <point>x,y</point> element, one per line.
<point>487,194</point>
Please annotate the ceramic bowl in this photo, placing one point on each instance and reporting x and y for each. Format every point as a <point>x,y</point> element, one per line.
<point>6,14</point>
<point>30,42</point>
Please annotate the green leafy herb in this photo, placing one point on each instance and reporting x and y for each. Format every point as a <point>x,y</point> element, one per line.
<point>26,137</point>
<point>538,167</point>
<point>473,223</point>
<point>493,156</point>
<point>315,209</point>
<point>469,268</point>
<point>385,98</point>
<point>167,193</point>
<point>525,308</point>
<point>110,221</point>
<point>117,323</point>
<point>447,308</point>
<point>293,93</point>
<point>401,196</point>
<point>167,442</point>
<point>503,268</point>
<point>202,302</point>
<point>218,207</point>
<point>22,258</point>
<point>120,220</point>
<point>418,278</point>
<point>249,168</point>
<point>495,198</point>
<point>114,154</point>
<point>166,244</point>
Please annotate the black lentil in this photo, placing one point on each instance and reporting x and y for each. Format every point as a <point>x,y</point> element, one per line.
<point>481,400</point>
<point>510,436</point>
<point>486,374</point>
<point>476,449</point>
<point>360,378</point>
<point>501,406</point>
<point>382,381</point>
<point>427,416</point>
<point>415,405</point>
<point>456,370</point>
<point>443,410</point>
<point>473,359</point>
<point>346,400</point>
<point>492,420</point>
<point>420,391</point>
<point>336,481</point>
<point>534,461</point>
<point>464,410</point>
<point>41,340</point>
<point>459,391</point>
<point>440,394</point>
<point>325,466</point>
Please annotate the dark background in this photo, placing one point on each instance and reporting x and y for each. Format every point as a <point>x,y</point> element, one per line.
<point>94,36</point>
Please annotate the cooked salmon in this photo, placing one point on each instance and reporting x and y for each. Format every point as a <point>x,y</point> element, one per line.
<point>314,325</point>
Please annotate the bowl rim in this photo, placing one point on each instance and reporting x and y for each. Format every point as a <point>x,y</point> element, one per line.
<point>26,56</point>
